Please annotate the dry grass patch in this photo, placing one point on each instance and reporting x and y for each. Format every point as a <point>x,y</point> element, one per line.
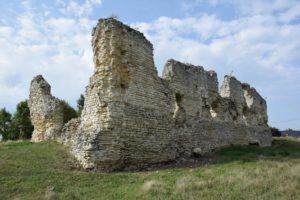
<point>190,184</point>
<point>186,184</point>
<point>154,186</point>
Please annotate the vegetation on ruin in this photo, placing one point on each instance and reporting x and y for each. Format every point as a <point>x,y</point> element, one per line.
<point>46,171</point>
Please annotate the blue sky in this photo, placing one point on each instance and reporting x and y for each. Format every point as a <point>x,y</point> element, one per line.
<point>259,40</point>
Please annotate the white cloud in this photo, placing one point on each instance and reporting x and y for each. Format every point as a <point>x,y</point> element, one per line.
<point>260,43</point>
<point>28,30</point>
<point>74,8</point>
<point>261,48</point>
<point>52,46</point>
<point>5,31</point>
<point>256,39</point>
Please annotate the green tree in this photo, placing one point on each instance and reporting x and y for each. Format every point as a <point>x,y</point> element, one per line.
<point>275,132</point>
<point>19,126</point>
<point>80,104</point>
<point>68,112</point>
<point>12,132</point>
<point>21,121</point>
<point>5,120</point>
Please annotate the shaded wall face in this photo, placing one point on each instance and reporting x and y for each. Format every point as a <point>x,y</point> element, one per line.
<point>250,107</point>
<point>256,110</point>
<point>206,120</point>
<point>194,87</point>
<point>147,120</point>
<point>232,89</point>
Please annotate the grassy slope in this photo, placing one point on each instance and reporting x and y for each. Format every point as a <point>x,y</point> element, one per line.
<point>46,171</point>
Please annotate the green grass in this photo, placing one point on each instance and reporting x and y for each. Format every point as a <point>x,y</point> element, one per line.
<point>46,171</point>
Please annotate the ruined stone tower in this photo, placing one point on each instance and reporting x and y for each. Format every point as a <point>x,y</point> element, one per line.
<point>45,110</point>
<point>132,117</point>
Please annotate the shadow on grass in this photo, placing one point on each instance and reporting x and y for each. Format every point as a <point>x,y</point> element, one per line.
<point>282,149</point>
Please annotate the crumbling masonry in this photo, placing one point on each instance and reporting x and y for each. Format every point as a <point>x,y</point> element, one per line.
<point>132,117</point>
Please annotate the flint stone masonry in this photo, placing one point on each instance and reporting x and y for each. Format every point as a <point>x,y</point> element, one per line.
<point>133,118</point>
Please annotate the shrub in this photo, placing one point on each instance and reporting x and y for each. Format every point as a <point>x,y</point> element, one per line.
<point>275,132</point>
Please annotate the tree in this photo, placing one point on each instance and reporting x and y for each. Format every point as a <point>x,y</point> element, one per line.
<point>22,121</point>
<point>80,104</point>
<point>19,126</point>
<point>68,112</point>
<point>289,132</point>
<point>5,120</point>
<point>275,132</point>
<point>12,132</point>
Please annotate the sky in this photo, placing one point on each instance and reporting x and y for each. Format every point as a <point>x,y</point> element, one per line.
<point>257,40</point>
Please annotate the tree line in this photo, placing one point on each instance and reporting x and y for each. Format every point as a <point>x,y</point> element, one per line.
<point>18,125</point>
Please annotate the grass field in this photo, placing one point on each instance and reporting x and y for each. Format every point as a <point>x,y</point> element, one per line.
<point>46,171</point>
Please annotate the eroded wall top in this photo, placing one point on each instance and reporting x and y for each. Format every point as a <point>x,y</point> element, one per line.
<point>46,111</point>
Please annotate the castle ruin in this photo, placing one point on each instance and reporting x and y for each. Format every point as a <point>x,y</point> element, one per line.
<point>133,117</point>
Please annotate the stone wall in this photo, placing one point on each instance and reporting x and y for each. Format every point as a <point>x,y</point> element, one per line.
<point>46,111</point>
<point>132,117</point>
<point>205,119</point>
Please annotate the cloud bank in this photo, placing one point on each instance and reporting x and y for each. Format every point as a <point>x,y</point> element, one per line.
<point>257,40</point>
<point>56,45</point>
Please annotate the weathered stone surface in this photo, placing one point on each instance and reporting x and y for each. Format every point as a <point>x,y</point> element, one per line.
<point>132,117</point>
<point>45,111</point>
<point>232,89</point>
<point>195,89</point>
<point>68,132</point>
<point>125,111</point>
<point>255,113</point>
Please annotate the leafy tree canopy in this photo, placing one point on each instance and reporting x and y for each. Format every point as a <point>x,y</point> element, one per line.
<point>68,111</point>
<point>80,104</point>
<point>5,120</point>
<point>17,126</point>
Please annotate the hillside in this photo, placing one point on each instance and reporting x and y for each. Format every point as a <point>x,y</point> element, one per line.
<point>46,171</point>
